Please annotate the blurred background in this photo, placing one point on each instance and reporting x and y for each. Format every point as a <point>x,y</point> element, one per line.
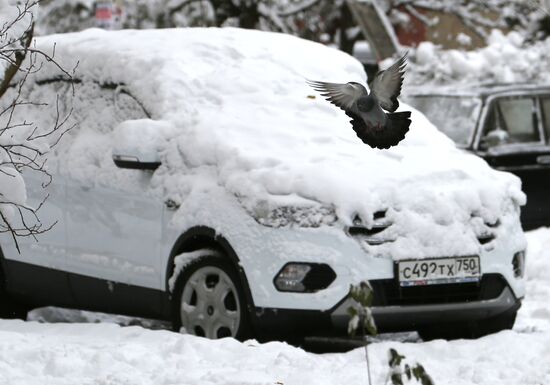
<point>371,30</point>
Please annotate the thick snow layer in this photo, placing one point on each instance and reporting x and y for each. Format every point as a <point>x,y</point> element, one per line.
<point>74,354</point>
<point>244,119</point>
<point>505,59</point>
<point>62,354</point>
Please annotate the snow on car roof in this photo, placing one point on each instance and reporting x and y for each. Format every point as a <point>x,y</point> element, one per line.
<point>244,118</point>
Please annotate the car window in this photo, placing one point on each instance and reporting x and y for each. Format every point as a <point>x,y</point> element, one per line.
<point>80,105</point>
<point>101,108</point>
<point>511,120</point>
<point>91,110</point>
<point>46,109</point>
<point>545,106</point>
<point>96,110</point>
<point>455,116</point>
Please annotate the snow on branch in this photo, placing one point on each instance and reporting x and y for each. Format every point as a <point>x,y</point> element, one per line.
<point>23,144</point>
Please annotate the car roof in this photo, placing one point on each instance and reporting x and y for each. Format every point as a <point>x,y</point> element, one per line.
<point>482,90</point>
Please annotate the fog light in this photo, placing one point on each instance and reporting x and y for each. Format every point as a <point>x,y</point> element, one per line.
<point>518,264</point>
<point>304,277</point>
<point>291,276</point>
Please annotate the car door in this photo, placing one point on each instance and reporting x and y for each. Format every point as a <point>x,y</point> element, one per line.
<point>113,238</point>
<point>113,224</point>
<point>513,139</point>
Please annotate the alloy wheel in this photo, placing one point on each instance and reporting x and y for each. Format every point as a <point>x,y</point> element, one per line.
<point>210,304</point>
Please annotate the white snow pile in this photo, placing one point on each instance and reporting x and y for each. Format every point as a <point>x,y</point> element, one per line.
<point>82,354</point>
<point>505,59</point>
<point>244,120</point>
<point>534,315</point>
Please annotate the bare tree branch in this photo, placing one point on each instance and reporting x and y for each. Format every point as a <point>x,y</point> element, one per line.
<point>20,54</point>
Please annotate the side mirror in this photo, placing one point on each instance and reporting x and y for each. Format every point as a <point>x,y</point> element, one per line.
<point>136,144</point>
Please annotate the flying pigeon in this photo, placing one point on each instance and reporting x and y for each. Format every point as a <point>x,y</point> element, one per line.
<point>372,125</point>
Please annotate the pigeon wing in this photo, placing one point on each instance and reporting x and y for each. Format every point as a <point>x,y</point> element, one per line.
<point>343,95</point>
<point>386,85</point>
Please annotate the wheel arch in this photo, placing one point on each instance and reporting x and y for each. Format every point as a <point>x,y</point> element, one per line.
<point>200,237</point>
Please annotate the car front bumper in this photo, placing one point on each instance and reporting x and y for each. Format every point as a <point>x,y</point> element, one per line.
<point>410,317</point>
<point>494,297</point>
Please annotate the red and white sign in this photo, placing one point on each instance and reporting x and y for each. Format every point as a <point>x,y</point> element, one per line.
<point>108,15</point>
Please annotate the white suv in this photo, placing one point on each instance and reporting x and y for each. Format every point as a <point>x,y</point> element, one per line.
<point>205,183</point>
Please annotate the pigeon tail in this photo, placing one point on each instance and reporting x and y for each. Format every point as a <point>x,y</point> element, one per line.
<point>397,125</point>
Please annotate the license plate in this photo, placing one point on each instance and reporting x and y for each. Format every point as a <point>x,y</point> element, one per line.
<point>439,271</point>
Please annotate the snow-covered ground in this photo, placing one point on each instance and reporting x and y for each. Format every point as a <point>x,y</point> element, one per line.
<point>108,354</point>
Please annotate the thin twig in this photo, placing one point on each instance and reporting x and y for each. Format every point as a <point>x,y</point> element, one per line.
<point>366,339</point>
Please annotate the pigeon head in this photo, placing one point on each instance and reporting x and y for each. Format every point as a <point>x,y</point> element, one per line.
<point>365,103</point>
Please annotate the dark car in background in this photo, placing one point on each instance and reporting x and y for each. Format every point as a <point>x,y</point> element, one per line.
<point>506,124</point>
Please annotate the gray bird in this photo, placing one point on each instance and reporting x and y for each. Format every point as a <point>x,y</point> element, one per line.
<point>372,125</point>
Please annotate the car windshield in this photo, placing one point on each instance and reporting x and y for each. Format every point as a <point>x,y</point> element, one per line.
<point>455,116</point>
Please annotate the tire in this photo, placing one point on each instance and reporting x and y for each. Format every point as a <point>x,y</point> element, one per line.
<point>469,330</point>
<point>209,300</point>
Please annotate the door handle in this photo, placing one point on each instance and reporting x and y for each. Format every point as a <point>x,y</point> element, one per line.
<point>543,159</point>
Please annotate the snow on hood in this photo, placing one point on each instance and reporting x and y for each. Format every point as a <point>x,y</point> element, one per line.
<point>244,119</point>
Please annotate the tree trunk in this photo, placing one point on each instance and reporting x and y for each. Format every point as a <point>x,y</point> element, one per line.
<point>12,69</point>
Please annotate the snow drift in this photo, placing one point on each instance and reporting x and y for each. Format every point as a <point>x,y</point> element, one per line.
<point>106,353</point>
<point>505,59</point>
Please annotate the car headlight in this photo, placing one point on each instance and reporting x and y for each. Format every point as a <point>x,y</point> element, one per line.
<point>282,216</point>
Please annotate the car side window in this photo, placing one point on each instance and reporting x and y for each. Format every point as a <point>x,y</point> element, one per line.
<point>93,110</point>
<point>511,120</point>
<point>101,108</point>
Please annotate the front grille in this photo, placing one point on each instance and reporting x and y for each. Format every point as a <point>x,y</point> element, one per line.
<point>371,235</point>
<point>486,238</point>
<point>387,292</point>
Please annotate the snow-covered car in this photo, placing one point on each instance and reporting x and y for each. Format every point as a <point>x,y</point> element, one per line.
<point>508,125</point>
<point>206,183</point>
